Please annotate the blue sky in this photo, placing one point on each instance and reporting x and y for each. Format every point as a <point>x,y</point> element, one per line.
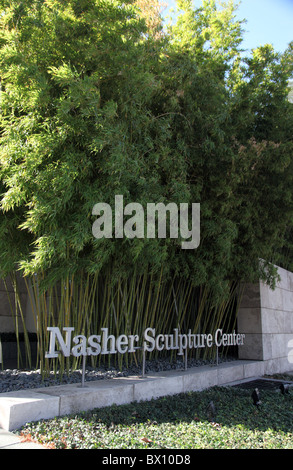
<point>268,21</point>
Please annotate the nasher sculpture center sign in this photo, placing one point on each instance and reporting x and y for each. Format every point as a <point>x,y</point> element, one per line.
<point>106,343</point>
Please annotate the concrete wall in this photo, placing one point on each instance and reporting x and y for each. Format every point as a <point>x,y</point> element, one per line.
<point>7,305</point>
<point>266,318</point>
<point>23,406</point>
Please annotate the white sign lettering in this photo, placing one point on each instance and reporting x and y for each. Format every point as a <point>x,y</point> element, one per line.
<point>105,343</point>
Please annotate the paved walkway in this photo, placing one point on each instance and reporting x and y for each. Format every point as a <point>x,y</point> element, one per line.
<point>8,440</point>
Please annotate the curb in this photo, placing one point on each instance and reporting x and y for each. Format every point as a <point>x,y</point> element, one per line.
<point>23,406</point>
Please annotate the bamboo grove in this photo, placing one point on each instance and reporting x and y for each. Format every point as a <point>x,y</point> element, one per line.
<point>126,306</point>
<point>102,97</point>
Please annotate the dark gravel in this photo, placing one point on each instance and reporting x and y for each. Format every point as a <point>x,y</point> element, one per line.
<point>20,379</point>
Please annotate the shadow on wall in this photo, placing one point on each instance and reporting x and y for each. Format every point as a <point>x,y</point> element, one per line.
<point>14,357</point>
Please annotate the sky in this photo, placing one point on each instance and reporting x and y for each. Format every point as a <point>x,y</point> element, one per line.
<point>268,22</point>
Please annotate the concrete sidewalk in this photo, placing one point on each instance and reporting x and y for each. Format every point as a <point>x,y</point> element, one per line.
<point>8,440</point>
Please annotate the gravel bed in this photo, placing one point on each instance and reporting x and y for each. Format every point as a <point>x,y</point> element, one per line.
<point>21,379</point>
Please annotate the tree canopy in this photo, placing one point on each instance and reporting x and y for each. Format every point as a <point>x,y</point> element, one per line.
<point>96,101</point>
